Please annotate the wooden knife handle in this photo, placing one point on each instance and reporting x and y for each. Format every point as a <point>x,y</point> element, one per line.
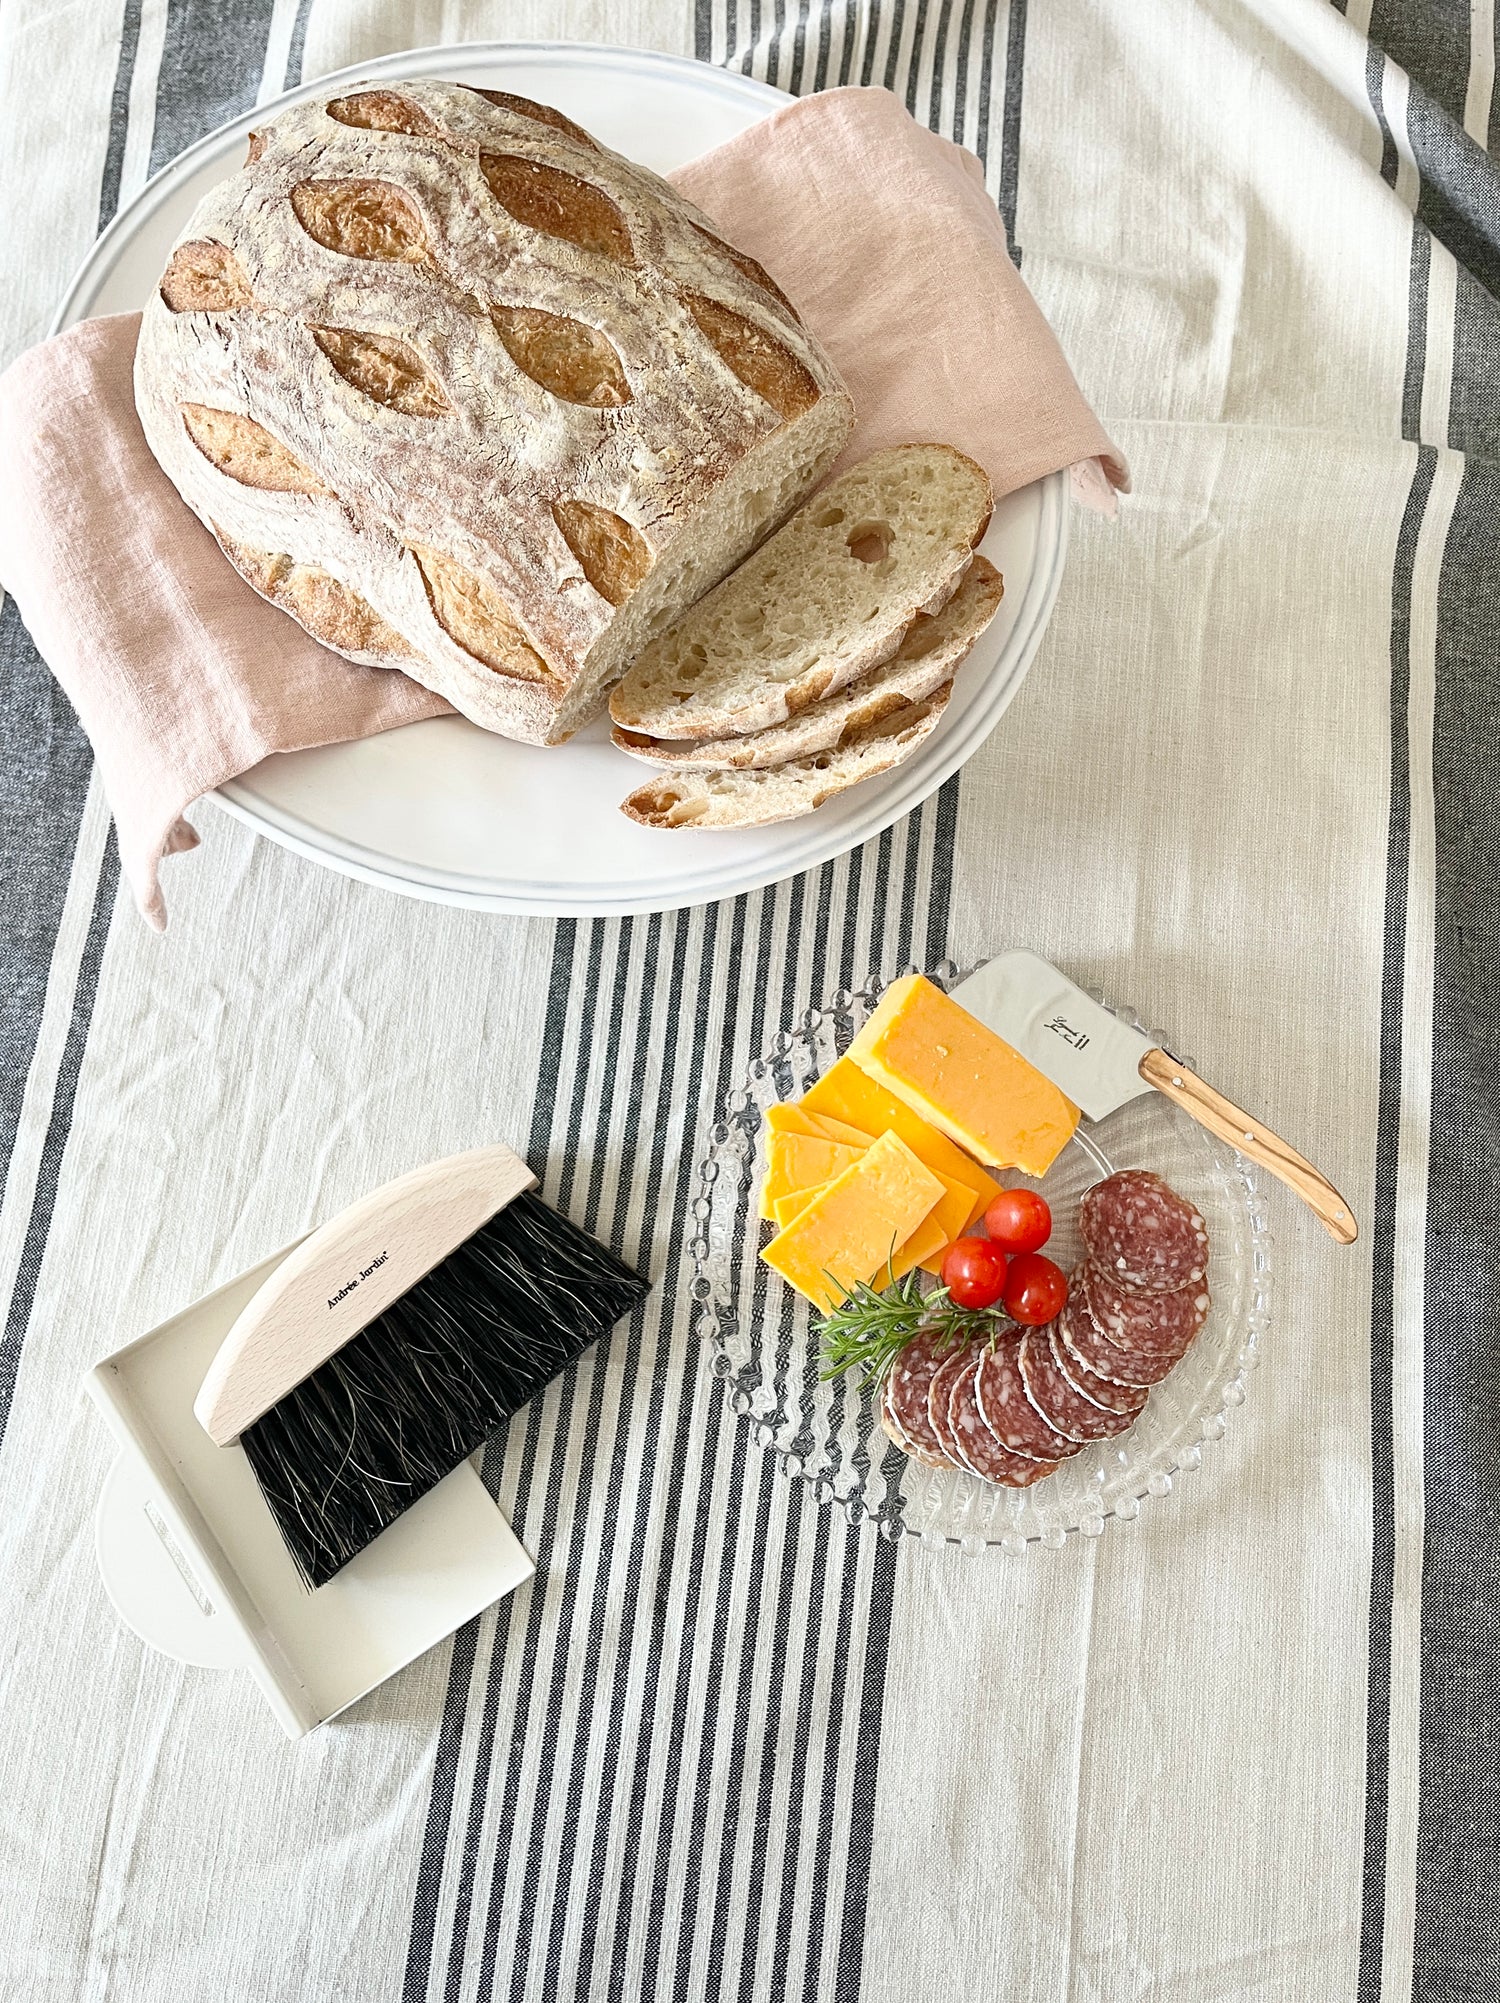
<point>1253,1138</point>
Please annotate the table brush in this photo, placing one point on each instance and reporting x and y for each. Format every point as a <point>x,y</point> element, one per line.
<point>396,1338</point>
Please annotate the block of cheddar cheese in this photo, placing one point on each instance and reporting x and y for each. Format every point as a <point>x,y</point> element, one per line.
<point>847,1097</point>
<point>852,1229</point>
<point>802,1161</point>
<point>956,1073</point>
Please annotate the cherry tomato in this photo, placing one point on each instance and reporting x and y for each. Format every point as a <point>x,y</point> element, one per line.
<point>1019,1220</point>
<point>1035,1290</point>
<point>974,1272</point>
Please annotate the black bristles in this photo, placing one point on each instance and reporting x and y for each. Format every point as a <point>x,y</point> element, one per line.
<point>428,1381</point>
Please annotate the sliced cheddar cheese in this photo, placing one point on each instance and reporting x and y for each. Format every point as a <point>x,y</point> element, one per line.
<point>925,1247</point>
<point>852,1229</point>
<point>845,1093</point>
<point>792,1117</point>
<point>785,1208</point>
<point>802,1161</point>
<point>954,1072</point>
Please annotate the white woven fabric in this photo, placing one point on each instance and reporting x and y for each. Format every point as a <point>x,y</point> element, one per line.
<point>725,1745</point>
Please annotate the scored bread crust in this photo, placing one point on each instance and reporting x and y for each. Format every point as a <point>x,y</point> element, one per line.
<point>506,391</point>
<point>822,602</point>
<point>931,650</point>
<point>753,799</point>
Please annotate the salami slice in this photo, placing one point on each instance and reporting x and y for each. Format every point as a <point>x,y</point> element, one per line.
<point>907,1387</point>
<point>1082,1337</point>
<point>939,1394</point>
<point>1146,1324</point>
<point>1143,1233</point>
<point>1132,1366</point>
<point>1127,1400</point>
<point>978,1447</point>
<point>1061,1403</point>
<point>1005,1408</point>
<point>896,1433</point>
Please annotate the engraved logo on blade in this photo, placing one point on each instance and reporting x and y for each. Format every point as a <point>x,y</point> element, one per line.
<point>1060,1026</point>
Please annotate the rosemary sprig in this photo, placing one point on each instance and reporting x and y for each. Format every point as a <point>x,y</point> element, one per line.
<point>868,1329</point>
<point>871,1327</point>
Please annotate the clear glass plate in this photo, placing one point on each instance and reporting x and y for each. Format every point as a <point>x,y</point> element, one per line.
<point>758,1329</point>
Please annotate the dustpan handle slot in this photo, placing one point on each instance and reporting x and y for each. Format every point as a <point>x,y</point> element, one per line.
<point>150,1579</point>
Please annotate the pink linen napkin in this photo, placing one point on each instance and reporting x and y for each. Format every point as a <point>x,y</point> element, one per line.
<point>183,677</point>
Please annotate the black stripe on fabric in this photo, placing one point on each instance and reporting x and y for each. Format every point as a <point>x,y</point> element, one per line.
<point>893,46</point>
<point>44,780</point>
<point>825,45</point>
<point>868,17</point>
<point>1390,160</point>
<point>119,114</point>
<point>982,129</point>
<point>1431,43</point>
<point>296,48</point>
<point>1010,147</point>
<point>1382,1330</point>
<point>430,1864</point>
<point>961,72</point>
<point>1456,1941</point>
<point>914,64</point>
<point>59,1124</point>
<point>944,840</point>
<point>211,63</point>
<point>1416,336</point>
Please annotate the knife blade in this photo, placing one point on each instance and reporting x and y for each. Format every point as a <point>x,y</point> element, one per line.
<point>1102,1063</point>
<point>1087,1052</point>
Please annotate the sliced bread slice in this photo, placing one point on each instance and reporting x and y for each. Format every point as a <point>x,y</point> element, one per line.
<point>723,799</point>
<point>927,657</point>
<point>824,600</point>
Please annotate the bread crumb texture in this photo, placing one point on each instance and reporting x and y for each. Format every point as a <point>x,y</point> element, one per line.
<point>829,597</point>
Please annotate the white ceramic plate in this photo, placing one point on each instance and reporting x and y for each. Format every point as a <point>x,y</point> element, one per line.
<point>446,811</point>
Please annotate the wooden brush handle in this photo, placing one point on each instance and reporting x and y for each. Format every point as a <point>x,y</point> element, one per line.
<point>1252,1137</point>
<point>344,1275</point>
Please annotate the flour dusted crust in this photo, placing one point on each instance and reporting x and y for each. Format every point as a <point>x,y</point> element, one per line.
<point>468,394</point>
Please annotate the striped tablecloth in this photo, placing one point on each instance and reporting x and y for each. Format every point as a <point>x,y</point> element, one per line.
<point>727,1744</point>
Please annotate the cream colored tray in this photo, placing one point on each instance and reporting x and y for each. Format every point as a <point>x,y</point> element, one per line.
<point>194,1563</point>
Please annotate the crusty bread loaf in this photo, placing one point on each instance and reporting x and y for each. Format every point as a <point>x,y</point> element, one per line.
<point>723,799</point>
<point>929,653</point>
<point>469,395</point>
<point>826,599</point>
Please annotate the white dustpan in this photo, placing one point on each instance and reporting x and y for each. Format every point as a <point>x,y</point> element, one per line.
<point>196,1567</point>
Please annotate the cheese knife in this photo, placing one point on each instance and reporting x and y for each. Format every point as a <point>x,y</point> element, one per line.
<point>1101,1063</point>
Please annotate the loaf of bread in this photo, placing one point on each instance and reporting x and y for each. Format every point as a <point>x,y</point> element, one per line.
<point>471,396</point>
